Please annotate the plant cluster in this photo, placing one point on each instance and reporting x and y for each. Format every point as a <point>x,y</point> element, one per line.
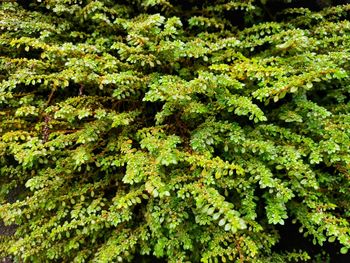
<point>183,130</point>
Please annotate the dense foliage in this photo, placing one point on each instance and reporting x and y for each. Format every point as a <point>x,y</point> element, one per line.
<point>183,130</point>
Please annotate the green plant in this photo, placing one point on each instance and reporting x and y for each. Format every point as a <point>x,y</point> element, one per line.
<point>151,127</point>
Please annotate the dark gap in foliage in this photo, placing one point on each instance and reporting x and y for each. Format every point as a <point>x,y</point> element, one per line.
<point>17,193</point>
<point>146,259</point>
<point>291,239</point>
<point>275,6</point>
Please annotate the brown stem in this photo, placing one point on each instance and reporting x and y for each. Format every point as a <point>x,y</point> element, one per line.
<point>50,96</point>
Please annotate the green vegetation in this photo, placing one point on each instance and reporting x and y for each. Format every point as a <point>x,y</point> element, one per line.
<point>187,131</point>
